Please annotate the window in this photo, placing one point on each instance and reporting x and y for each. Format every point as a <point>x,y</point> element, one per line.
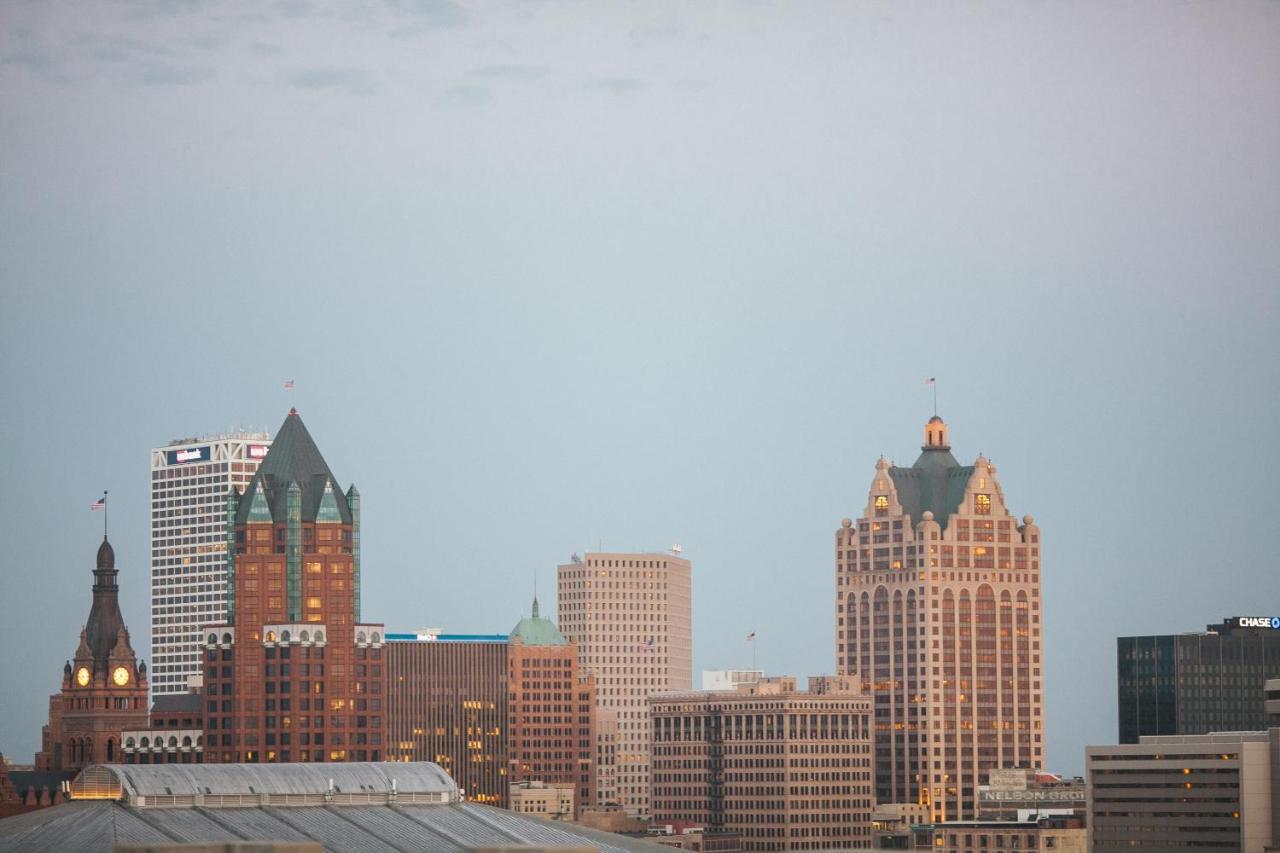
<point>882,505</point>
<point>982,504</point>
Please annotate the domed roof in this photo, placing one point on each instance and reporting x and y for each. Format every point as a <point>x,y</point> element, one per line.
<point>536,631</point>
<point>106,555</point>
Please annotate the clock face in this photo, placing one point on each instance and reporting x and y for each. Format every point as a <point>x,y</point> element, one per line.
<point>120,676</point>
<point>82,676</point>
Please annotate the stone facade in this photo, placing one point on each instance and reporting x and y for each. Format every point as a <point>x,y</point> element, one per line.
<point>938,611</point>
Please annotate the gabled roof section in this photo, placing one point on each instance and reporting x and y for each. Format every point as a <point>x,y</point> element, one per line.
<point>293,457</point>
<point>936,482</point>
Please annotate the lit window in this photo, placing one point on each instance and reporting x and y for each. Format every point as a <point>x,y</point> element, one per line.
<point>882,505</point>
<point>982,504</point>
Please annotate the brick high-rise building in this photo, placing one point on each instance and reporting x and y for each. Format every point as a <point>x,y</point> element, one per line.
<point>190,478</point>
<point>631,616</point>
<point>938,611</point>
<point>447,703</point>
<point>104,685</point>
<point>786,769</point>
<point>293,674</point>
<point>553,710</point>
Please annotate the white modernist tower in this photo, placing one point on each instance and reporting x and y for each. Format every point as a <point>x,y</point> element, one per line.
<point>190,479</point>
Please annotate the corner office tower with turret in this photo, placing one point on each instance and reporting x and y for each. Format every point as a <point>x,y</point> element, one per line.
<point>938,610</point>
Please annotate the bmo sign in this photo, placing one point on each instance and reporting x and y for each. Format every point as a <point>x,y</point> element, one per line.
<point>187,455</point>
<point>1272,622</point>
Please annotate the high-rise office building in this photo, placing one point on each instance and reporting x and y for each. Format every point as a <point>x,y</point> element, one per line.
<point>938,611</point>
<point>553,710</point>
<point>447,703</point>
<point>631,616</point>
<point>190,478</point>
<point>1196,683</point>
<point>786,769</point>
<point>291,672</point>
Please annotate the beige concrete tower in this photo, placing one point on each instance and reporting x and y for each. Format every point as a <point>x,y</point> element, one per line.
<point>631,616</point>
<point>938,611</point>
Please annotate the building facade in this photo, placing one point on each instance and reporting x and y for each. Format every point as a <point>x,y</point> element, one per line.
<point>631,617</point>
<point>190,478</point>
<point>104,684</point>
<point>938,611</point>
<point>1196,683</point>
<point>447,704</point>
<point>1018,794</point>
<point>1059,833</point>
<point>784,769</point>
<point>292,674</point>
<point>176,732</point>
<point>1200,792</point>
<point>552,707</point>
<point>553,802</point>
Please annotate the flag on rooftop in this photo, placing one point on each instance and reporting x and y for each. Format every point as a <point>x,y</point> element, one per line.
<point>100,503</point>
<point>930,381</point>
<point>751,636</point>
<point>288,384</point>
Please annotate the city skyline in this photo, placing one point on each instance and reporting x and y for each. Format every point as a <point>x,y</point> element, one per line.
<point>513,257</point>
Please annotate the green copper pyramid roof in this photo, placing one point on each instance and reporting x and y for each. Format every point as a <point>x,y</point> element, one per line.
<point>294,458</point>
<point>536,631</point>
<point>936,482</point>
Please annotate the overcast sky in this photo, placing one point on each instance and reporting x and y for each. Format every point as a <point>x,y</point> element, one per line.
<point>555,275</point>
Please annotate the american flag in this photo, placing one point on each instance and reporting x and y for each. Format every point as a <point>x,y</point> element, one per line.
<point>288,384</point>
<point>751,636</point>
<point>930,381</point>
<point>100,503</point>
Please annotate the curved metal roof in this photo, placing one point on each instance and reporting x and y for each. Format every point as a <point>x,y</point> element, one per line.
<point>179,780</point>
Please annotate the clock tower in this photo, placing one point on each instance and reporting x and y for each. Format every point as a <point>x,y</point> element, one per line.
<point>104,685</point>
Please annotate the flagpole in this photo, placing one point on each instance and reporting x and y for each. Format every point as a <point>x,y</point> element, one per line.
<point>105,513</point>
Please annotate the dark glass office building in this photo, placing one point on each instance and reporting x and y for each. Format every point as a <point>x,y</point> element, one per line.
<point>1188,684</point>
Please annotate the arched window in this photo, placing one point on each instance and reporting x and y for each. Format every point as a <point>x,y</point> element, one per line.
<point>377,638</point>
<point>226,638</point>
<point>285,636</point>
<point>213,639</point>
<point>305,636</point>
<point>361,638</point>
<point>882,505</point>
<point>319,636</point>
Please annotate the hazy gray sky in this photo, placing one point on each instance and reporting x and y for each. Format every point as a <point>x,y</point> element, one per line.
<point>555,274</point>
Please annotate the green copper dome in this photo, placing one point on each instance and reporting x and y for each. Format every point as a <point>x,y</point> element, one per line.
<point>536,631</point>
